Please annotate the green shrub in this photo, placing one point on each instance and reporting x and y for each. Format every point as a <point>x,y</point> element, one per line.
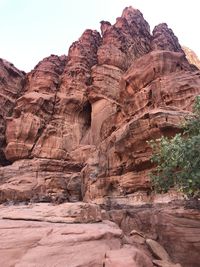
<point>178,159</point>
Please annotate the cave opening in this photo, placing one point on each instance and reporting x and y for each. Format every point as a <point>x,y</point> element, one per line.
<point>85,118</point>
<point>87,114</point>
<point>3,160</point>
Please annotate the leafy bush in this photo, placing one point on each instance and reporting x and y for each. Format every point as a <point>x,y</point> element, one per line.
<point>178,159</point>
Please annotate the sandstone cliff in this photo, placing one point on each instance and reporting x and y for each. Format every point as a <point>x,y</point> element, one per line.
<point>11,86</point>
<point>75,128</point>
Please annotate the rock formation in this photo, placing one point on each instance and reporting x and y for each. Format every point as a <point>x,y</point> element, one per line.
<point>65,235</point>
<point>76,129</point>
<point>172,225</point>
<point>11,86</point>
<point>191,56</point>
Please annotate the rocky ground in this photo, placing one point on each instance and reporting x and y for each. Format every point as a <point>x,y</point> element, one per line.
<point>74,158</point>
<point>82,234</point>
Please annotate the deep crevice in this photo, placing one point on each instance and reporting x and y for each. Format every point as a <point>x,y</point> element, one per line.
<point>85,119</point>
<point>87,114</point>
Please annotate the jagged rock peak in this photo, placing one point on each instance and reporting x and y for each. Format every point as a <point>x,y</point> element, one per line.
<point>52,58</point>
<point>130,12</point>
<point>164,39</point>
<point>86,47</point>
<point>105,25</point>
<point>4,64</point>
<point>126,40</point>
<point>88,34</point>
<point>52,63</point>
<point>134,16</point>
<point>88,37</point>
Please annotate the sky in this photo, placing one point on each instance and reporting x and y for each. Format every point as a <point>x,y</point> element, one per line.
<point>33,29</point>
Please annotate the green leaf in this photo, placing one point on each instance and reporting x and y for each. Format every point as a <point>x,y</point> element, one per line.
<point>178,158</point>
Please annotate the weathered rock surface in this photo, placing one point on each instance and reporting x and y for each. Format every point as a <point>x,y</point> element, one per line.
<point>11,86</point>
<point>27,239</point>
<point>127,257</point>
<point>157,250</point>
<point>75,128</point>
<point>96,108</point>
<point>160,263</point>
<point>126,40</point>
<point>164,39</point>
<point>41,180</point>
<point>157,93</point>
<point>29,243</point>
<point>78,212</point>
<point>34,109</point>
<point>51,121</point>
<point>52,232</point>
<point>176,228</point>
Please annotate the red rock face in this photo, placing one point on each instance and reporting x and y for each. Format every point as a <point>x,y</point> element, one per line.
<point>175,227</point>
<point>76,127</point>
<point>11,85</point>
<point>34,109</point>
<point>155,94</point>
<point>96,108</point>
<point>164,39</point>
<point>126,40</point>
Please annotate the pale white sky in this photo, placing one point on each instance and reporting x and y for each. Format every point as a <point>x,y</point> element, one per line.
<point>33,29</point>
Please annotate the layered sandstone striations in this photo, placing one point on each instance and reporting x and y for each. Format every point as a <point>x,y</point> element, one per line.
<point>76,127</point>
<point>34,109</point>
<point>55,241</point>
<point>49,122</point>
<point>82,122</point>
<point>175,227</point>
<point>11,85</point>
<point>77,234</point>
<point>153,96</point>
<point>90,114</point>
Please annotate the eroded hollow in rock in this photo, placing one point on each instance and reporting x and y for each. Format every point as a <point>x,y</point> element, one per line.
<point>3,160</point>
<point>87,114</point>
<point>85,118</point>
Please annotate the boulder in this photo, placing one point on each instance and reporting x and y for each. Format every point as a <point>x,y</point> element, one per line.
<point>157,250</point>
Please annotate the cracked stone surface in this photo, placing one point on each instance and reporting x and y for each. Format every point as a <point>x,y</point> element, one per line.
<point>28,240</point>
